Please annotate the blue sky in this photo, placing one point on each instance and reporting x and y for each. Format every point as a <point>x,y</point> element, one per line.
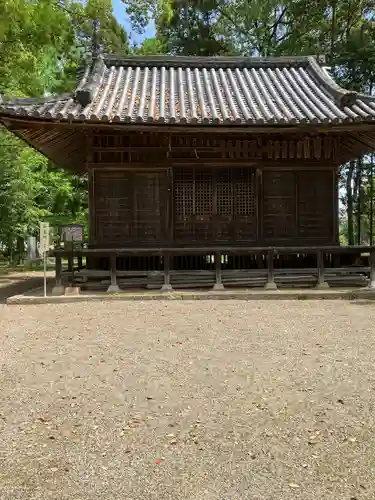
<point>119,11</point>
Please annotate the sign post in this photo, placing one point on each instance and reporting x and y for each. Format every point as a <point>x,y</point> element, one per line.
<point>44,247</point>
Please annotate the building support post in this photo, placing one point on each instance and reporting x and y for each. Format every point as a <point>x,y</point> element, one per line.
<point>270,285</point>
<point>167,287</point>
<point>113,287</point>
<point>218,286</point>
<point>58,289</point>
<point>371,284</point>
<point>321,284</point>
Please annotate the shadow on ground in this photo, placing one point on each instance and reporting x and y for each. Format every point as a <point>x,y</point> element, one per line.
<point>18,285</point>
<point>362,302</point>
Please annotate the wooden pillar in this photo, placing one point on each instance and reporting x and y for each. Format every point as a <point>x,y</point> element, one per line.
<point>372,270</point>
<point>270,285</point>
<point>58,289</point>
<point>336,211</point>
<point>113,287</point>
<point>71,261</point>
<point>218,283</point>
<point>71,289</point>
<point>91,186</point>
<point>169,215</point>
<point>321,284</point>
<point>79,262</point>
<point>167,287</point>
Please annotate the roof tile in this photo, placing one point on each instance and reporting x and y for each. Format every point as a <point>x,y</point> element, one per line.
<point>188,90</point>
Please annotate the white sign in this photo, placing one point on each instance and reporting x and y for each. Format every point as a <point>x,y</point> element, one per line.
<point>44,237</point>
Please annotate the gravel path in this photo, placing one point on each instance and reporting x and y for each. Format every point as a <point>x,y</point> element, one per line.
<point>188,400</point>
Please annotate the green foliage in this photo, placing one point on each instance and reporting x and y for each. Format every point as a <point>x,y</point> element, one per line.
<point>150,46</point>
<point>42,42</point>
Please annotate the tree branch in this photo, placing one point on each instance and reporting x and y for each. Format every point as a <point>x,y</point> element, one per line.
<point>277,23</point>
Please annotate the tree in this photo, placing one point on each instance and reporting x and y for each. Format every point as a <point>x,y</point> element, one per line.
<point>42,43</point>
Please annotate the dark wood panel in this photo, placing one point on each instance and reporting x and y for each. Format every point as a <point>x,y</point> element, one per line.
<point>150,202</point>
<point>129,207</point>
<point>298,206</point>
<point>279,205</point>
<point>215,204</point>
<point>316,204</point>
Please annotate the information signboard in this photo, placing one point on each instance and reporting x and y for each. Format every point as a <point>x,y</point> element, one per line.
<point>44,237</point>
<point>72,232</point>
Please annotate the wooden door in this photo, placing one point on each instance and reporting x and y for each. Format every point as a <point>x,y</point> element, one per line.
<point>130,207</point>
<point>214,205</point>
<point>112,207</point>
<point>279,205</point>
<point>316,206</point>
<point>150,201</point>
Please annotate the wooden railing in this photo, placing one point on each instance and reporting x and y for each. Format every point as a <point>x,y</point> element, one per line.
<point>271,252</point>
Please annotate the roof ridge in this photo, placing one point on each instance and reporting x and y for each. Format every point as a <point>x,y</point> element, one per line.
<point>204,61</point>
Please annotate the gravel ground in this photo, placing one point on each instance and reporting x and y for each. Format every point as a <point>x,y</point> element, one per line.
<point>188,400</point>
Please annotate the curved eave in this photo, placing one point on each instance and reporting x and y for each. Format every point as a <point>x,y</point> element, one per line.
<point>65,148</point>
<point>343,96</point>
<point>11,121</point>
<point>65,143</point>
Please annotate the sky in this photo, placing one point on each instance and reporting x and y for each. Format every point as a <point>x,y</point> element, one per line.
<point>119,11</point>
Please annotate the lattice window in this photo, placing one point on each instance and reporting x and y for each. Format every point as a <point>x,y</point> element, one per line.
<point>224,192</point>
<point>215,204</point>
<point>245,200</point>
<point>184,192</point>
<point>203,192</point>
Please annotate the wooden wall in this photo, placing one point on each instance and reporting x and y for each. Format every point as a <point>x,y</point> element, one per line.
<point>257,199</point>
<point>207,205</point>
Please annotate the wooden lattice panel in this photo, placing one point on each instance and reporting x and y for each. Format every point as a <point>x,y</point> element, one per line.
<point>215,204</point>
<point>193,199</point>
<point>224,192</point>
<point>203,183</point>
<point>245,204</point>
<point>224,205</point>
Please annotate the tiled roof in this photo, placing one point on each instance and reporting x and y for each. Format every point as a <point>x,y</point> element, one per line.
<point>198,90</point>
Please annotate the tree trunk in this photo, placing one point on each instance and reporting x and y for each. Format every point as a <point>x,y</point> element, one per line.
<point>349,205</point>
<point>358,198</point>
